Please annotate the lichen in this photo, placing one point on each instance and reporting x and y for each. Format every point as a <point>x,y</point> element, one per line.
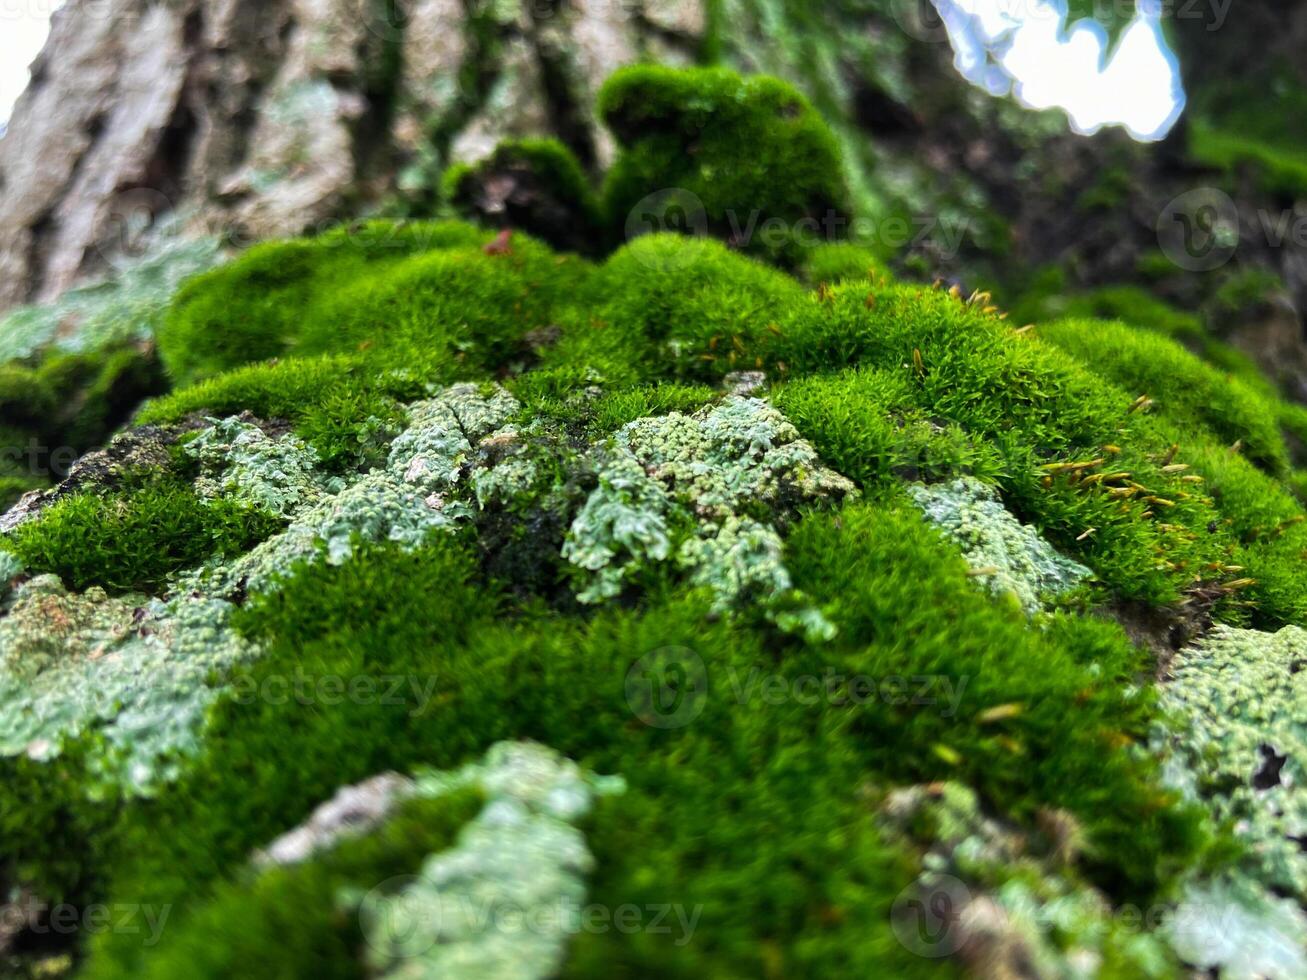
<point>705,471</point>
<point>125,307</point>
<point>10,568</point>
<point>1239,744</point>
<point>416,493</point>
<point>1007,902</point>
<point>1008,556</point>
<point>1235,927</point>
<point>353,811</point>
<point>503,902</point>
<point>740,450</point>
<point>130,679</point>
<point>240,461</point>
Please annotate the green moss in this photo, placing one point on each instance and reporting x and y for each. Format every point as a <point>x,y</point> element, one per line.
<point>672,301</point>
<point>1133,304</point>
<point>59,405</point>
<point>833,262</point>
<point>271,301</point>
<point>134,541</point>
<point>284,920</point>
<point>1181,387</point>
<point>787,769</point>
<point>685,130</point>
<point>535,185</point>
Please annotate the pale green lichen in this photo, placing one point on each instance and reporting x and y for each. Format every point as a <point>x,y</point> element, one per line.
<point>131,683</point>
<point>1236,928</point>
<point>1240,742</point>
<point>127,307</point>
<point>503,902</point>
<point>514,471</point>
<point>1012,901</point>
<point>240,461</point>
<point>622,525</point>
<point>698,472</point>
<point>1011,558</point>
<point>740,450</point>
<point>416,493</point>
<point>742,562</point>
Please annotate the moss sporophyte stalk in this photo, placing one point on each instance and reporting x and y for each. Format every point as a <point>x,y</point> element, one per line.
<point>567,498</point>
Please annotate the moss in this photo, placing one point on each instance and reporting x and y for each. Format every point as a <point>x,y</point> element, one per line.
<point>787,769</point>
<point>668,300</point>
<point>134,541</point>
<point>270,301</point>
<point>1181,387</point>
<point>535,185</point>
<point>59,405</point>
<point>833,262</point>
<point>684,130</point>
<point>500,494</point>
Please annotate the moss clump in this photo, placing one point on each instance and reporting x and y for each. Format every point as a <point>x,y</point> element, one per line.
<point>58,405</point>
<point>833,262</point>
<point>668,300</point>
<point>1181,387</point>
<point>132,541</point>
<point>535,185</point>
<point>687,129</point>
<point>285,297</point>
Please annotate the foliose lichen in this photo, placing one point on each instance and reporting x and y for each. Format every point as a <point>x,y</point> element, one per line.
<point>522,857</point>
<point>129,678</point>
<point>417,492</point>
<point>240,461</point>
<point>1240,743</point>
<point>1009,556</point>
<point>705,472</point>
